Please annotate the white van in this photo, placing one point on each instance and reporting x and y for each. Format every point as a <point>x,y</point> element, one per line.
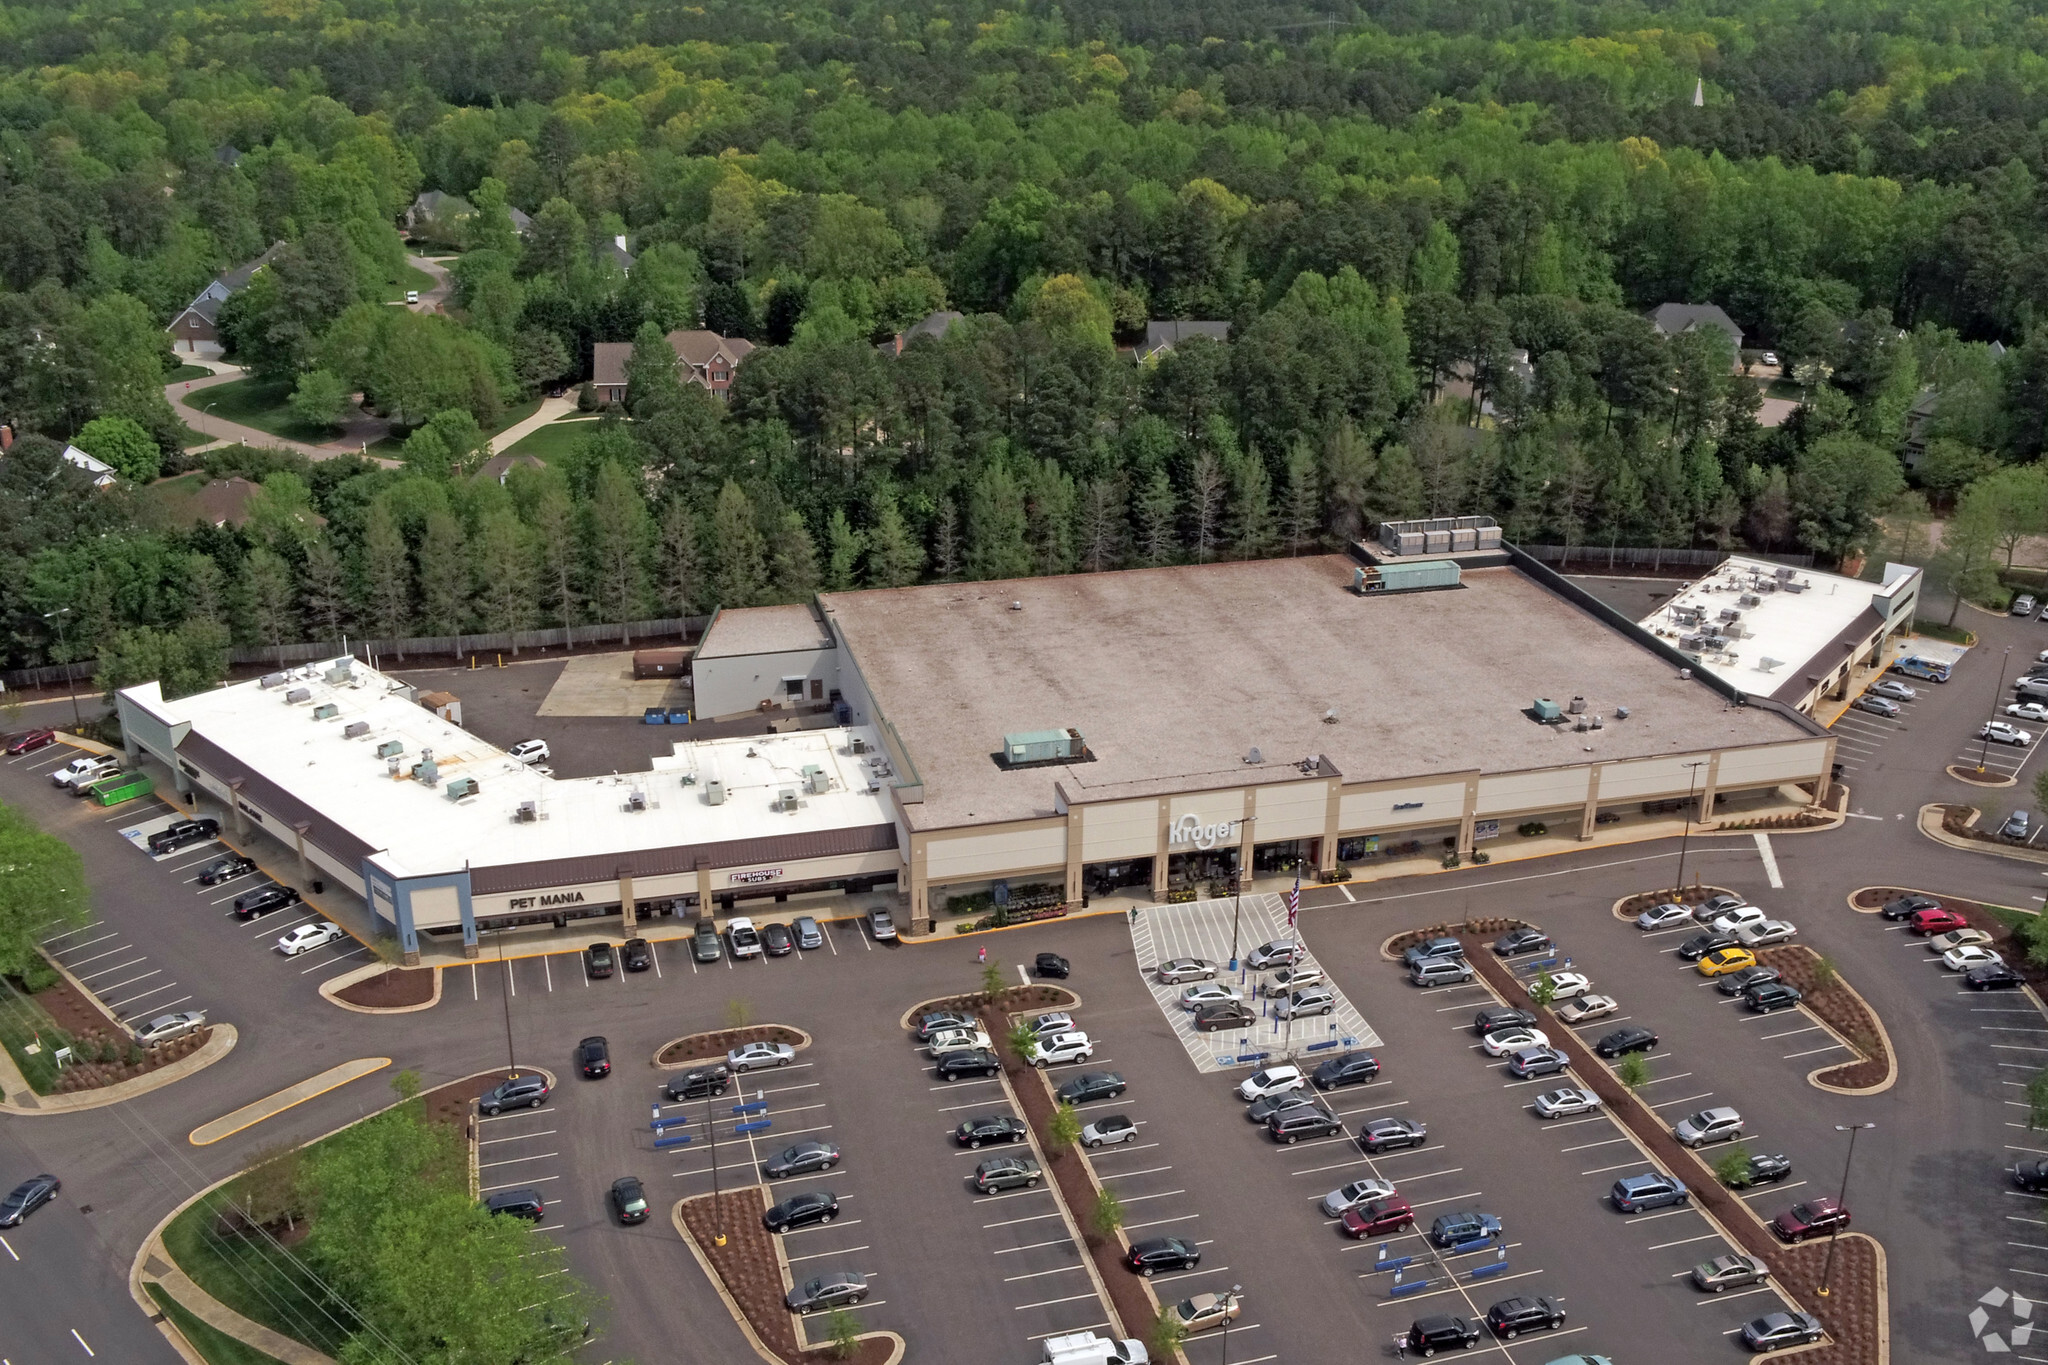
<point>1085,1348</point>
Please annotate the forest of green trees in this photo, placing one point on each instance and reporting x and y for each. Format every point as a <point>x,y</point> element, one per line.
<point>1386,203</point>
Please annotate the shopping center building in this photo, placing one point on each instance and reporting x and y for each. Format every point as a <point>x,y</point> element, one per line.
<point>1151,731</point>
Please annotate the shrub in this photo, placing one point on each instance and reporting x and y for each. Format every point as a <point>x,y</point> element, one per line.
<point>1733,1165</point>
<point>1065,1128</point>
<point>1633,1071</point>
<point>1166,1336</point>
<point>1108,1214</point>
<point>841,1329</point>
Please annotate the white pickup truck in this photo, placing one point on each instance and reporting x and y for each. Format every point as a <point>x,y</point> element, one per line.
<point>84,769</point>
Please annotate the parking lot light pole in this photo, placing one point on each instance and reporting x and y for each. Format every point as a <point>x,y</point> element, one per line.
<point>1841,1201</point>
<point>78,722</point>
<point>1685,838</point>
<point>505,993</point>
<point>1984,749</point>
<point>717,1199</point>
<point>1229,1312</point>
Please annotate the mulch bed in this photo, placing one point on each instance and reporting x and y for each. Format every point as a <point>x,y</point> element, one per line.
<point>1850,1315</point>
<point>1691,895</point>
<point>1957,820</point>
<point>391,988</point>
<point>1970,775</point>
<point>92,1029</point>
<point>712,1047</point>
<point>1846,1014</point>
<point>1012,1000</point>
<point>1127,1297</point>
<point>747,1265</point>
<point>455,1102</point>
<point>1472,928</point>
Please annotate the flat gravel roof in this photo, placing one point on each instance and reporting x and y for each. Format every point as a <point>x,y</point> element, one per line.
<point>763,630</point>
<point>1173,675</point>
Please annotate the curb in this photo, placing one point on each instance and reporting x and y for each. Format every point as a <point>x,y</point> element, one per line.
<point>1957,771</point>
<point>1891,1077</point>
<point>1923,891</point>
<point>1930,825</point>
<point>1067,1215</point>
<point>216,1047</point>
<point>929,1006</point>
<point>659,1065</point>
<point>333,984</point>
<point>1630,920</point>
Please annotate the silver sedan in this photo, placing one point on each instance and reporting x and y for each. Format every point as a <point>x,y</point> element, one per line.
<point>1209,993</point>
<point>1179,969</point>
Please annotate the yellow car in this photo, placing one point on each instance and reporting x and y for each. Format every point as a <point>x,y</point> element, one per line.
<point>1722,961</point>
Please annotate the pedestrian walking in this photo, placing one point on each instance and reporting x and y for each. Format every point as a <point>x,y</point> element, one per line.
<point>981,954</point>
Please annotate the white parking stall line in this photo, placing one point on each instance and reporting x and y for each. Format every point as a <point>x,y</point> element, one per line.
<point>1703,1095</point>
<point>81,929</point>
<point>74,966</point>
<point>131,962</point>
<point>1679,1212</point>
<point>1033,1246</point>
<point>1141,1198</point>
<point>119,1005</point>
<point>1012,1222</point>
<point>518,1137</point>
<point>518,1184</point>
<point>1048,1303</point>
<point>515,1160</point>
<point>1041,1274</point>
<point>1126,1175</point>
<point>1460,1288</point>
<point>1723,1298</point>
<point>1815,1052</point>
<point>1084,1327</point>
<point>1602,1170</point>
<point>841,1223</point>
<point>1661,1079</point>
<point>1684,1241</point>
<point>1162,1222</point>
<point>119,985</point>
<point>1447,1199</point>
<point>821,1255</point>
<point>1791,1033</point>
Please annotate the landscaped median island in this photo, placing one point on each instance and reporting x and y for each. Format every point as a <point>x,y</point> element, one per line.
<point>36,1026</point>
<point>747,1265</point>
<point>1854,1310</point>
<point>699,1048</point>
<point>392,988</point>
<point>1845,1012</point>
<point>371,1235</point>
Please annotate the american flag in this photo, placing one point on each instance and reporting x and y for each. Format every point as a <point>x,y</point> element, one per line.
<point>1294,899</point>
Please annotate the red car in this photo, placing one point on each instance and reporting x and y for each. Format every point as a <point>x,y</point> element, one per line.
<point>1380,1215</point>
<point>1937,921</point>
<point>29,741</point>
<point>1810,1219</point>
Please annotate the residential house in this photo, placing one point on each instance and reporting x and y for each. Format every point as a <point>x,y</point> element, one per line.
<point>522,222</point>
<point>499,467</point>
<point>1163,336</point>
<point>196,330</point>
<point>435,210</point>
<point>224,502</point>
<point>934,325</point>
<point>615,252</point>
<point>228,155</point>
<point>102,473</point>
<point>703,358</point>
<point>1676,319</point>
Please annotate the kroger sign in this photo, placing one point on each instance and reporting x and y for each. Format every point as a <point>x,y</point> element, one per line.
<point>1189,829</point>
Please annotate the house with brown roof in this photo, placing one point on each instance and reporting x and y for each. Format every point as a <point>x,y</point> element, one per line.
<point>703,358</point>
<point>933,325</point>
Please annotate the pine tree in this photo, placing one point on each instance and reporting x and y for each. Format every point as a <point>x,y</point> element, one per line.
<point>443,575</point>
<point>554,534</point>
<point>1301,499</point>
<point>1207,483</point>
<point>265,598</point>
<point>386,576</point>
<point>682,558</point>
<point>739,558</point>
<point>1158,510</point>
<point>652,382</point>
<point>893,554</point>
<point>1101,523</point>
<point>1251,506</point>
<point>996,543</point>
<point>1050,513</point>
<point>618,535</point>
<point>946,541</point>
<point>792,560</point>
<point>842,550</point>
<point>323,590</point>
<point>205,587</point>
<point>501,564</point>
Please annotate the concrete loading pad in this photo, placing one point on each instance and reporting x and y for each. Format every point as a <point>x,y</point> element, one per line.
<point>604,685</point>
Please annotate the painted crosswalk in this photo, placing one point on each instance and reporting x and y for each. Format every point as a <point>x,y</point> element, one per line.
<point>1209,930</point>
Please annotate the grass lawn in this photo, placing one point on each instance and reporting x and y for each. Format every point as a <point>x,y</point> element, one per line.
<point>185,372</point>
<point>516,414</point>
<point>551,442</point>
<point>1955,635</point>
<point>215,1345</point>
<point>409,277</point>
<point>258,403</point>
<point>193,438</point>
<point>247,1275</point>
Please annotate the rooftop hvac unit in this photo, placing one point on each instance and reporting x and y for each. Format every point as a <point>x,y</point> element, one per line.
<point>1783,573</point>
<point>1791,586</point>
<point>391,766</point>
<point>326,710</point>
<point>297,695</point>
<point>714,793</point>
<point>391,748</point>
<point>1042,746</point>
<point>461,787</point>
<point>815,780</point>
<point>785,800</point>
<point>1731,613</point>
<point>1750,599</point>
<point>636,800</point>
<point>426,772</point>
<point>1578,706</point>
<point>857,746</point>
<point>271,680</point>
<point>337,675</point>
<point>1547,710</point>
<point>356,729</point>
<point>528,812</point>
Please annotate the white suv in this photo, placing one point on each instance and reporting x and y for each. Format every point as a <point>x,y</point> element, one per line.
<point>1273,1080</point>
<point>1061,1047</point>
<point>530,751</point>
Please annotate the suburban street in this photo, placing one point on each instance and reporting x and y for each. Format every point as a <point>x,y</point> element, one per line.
<point>1927,1181</point>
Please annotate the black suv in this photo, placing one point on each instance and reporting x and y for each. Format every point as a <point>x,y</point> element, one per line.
<point>179,833</point>
<point>636,955</point>
<point>1350,1069</point>
<point>990,1128</point>
<point>594,1056</point>
<point>977,1061</point>
<point>2031,1175</point>
<point>1770,995</point>
<point>1634,1038</point>
<point>1699,945</point>
<point>1511,1317</point>
<point>598,961</point>
<point>250,904</point>
<point>1052,965</point>
<point>1090,1085</point>
<point>1736,983</point>
<point>1384,1135</point>
<point>529,1092</point>
<point>1494,1018</point>
<point>1302,1121</point>
<point>1905,907</point>
<point>704,944</point>
<point>1443,1332</point>
<point>525,1204</point>
<point>1763,1170</point>
<point>1155,1254</point>
<point>698,1083</point>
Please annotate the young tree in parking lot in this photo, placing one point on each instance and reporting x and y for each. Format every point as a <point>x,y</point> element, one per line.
<point>1166,1336</point>
<point>1108,1214</point>
<point>1633,1071</point>
<point>1544,991</point>
<point>843,1331</point>
<point>1065,1129</point>
<point>1824,974</point>
<point>738,1013</point>
<point>1733,1165</point>
<point>1021,1038</point>
<point>2037,1100</point>
<point>992,979</point>
<point>42,889</point>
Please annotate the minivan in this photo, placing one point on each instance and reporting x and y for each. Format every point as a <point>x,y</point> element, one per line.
<point>1650,1190</point>
<point>1302,1121</point>
<point>1442,971</point>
